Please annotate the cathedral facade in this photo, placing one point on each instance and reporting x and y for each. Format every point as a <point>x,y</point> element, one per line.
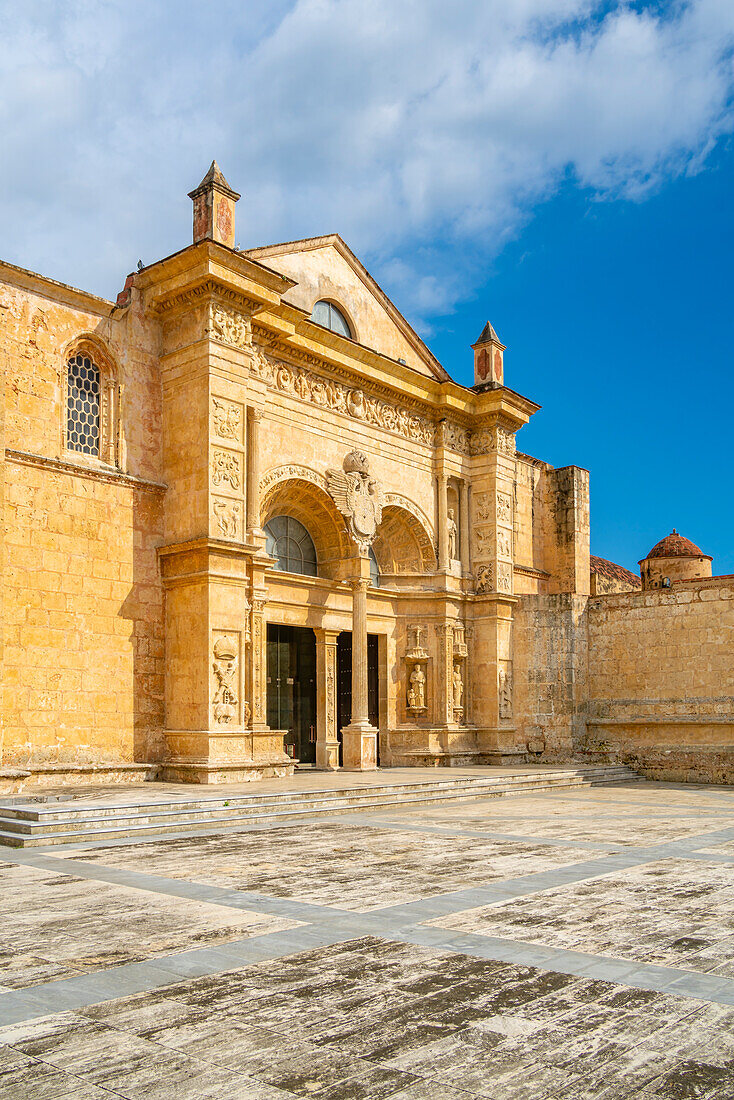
<point>252,522</point>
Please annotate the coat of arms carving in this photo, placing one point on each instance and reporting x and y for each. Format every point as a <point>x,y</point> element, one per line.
<point>359,498</point>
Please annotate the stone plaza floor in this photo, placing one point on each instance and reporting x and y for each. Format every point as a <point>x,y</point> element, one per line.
<point>573,943</point>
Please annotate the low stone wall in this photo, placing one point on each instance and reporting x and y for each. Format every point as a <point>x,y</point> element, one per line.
<point>661,681</point>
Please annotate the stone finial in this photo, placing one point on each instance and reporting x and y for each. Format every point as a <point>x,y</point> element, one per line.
<point>214,202</point>
<point>488,361</point>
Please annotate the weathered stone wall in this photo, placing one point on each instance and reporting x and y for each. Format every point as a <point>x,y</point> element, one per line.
<point>83,605</point>
<point>551,674</point>
<point>661,680</point>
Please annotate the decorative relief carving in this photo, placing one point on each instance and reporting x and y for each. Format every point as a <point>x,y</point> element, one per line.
<point>492,440</point>
<point>504,577</point>
<point>504,508</point>
<point>483,507</point>
<point>230,326</point>
<point>416,649</point>
<point>485,578</point>
<point>258,675</point>
<point>286,473</point>
<point>227,469</point>
<point>331,734</point>
<point>484,537</point>
<point>333,395</point>
<point>225,659</point>
<point>505,693</point>
<point>409,506</point>
<point>227,418</point>
<point>452,436</point>
<point>504,544</point>
<point>228,514</point>
<point>359,498</point>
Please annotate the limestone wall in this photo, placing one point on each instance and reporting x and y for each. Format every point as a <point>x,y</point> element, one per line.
<point>551,674</point>
<point>82,599</point>
<point>661,680</point>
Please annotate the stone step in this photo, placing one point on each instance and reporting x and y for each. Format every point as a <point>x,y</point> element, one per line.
<point>65,812</point>
<point>17,829</point>
<point>162,812</point>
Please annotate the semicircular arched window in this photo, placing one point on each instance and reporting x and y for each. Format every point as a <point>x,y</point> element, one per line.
<point>330,316</point>
<point>290,544</point>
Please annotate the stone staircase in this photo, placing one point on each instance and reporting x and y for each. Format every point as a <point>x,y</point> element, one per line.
<point>35,820</point>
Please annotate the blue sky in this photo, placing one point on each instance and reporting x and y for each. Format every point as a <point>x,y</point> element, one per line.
<point>563,167</point>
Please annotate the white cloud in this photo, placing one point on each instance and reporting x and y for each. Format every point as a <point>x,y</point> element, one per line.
<point>423,132</point>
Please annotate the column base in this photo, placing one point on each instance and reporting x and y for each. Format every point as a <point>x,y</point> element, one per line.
<point>359,747</point>
<point>327,756</point>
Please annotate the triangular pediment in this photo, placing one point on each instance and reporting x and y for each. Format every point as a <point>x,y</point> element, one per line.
<point>326,269</point>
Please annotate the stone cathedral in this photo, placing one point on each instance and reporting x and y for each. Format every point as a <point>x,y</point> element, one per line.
<point>252,523</point>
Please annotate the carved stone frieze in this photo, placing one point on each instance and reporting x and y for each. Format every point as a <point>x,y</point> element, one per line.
<point>328,393</point>
<point>230,326</point>
<point>494,440</point>
<point>289,472</point>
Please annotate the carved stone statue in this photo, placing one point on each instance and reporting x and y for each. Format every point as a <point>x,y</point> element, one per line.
<point>458,684</point>
<point>417,689</point>
<point>505,693</point>
<point>359,498</point>
<point>225,672</point>
<point>452,529</point>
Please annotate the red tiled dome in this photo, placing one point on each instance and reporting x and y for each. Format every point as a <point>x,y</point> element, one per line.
<point>675,546</point>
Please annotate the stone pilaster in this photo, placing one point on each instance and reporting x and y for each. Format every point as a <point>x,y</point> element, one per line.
<point>327,740</point>
<point>254,417</point>
<point>493,561</point>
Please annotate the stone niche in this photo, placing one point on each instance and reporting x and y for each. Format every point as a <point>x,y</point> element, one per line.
<point>459,671</point>
<point>417,675</point>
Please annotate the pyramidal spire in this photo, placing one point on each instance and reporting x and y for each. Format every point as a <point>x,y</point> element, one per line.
<point>214,201</point>
<point>488,358</point>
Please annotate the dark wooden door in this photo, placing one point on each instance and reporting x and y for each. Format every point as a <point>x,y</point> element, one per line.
<point>292,688</point>
<point>344,684</point>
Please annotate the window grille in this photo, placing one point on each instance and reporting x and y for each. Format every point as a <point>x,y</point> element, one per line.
<point>82,405</point>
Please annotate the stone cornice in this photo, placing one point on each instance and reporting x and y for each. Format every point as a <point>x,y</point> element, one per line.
<point>77,469</point>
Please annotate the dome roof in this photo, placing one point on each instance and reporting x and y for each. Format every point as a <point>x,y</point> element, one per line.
<point>676,546</point>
